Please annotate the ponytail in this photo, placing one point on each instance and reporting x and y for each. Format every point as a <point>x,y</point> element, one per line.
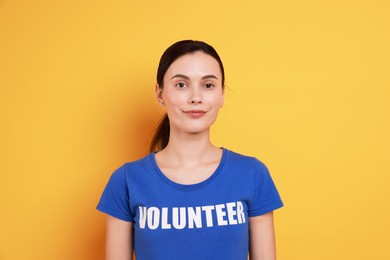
<point>161,136</point>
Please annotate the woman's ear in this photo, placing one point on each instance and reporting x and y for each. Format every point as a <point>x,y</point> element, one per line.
<point>158,92</point>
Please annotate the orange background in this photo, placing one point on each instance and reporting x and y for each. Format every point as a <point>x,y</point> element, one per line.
<point>308,94</point>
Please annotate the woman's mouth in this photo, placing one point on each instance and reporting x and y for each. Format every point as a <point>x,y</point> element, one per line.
<point>195,113</point>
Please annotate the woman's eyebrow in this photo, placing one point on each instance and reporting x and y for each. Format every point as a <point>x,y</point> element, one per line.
<point>186,77</point>
<point>180,76</point>
<point>209,77</point>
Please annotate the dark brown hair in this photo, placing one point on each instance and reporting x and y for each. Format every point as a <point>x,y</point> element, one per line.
<point>161,137</point>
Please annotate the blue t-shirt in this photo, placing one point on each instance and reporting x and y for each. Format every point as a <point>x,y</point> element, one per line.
<point>207,220</point>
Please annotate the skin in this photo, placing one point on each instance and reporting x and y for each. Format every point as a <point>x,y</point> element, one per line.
<point>191,83</point>
<point>192,94</point>
<point>119,235</point>
<point>262,237</point>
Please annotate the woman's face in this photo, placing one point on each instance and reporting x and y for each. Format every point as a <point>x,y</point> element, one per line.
<point>192,92</point>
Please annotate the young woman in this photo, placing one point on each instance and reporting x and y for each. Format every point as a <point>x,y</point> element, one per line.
<point>189,199</point>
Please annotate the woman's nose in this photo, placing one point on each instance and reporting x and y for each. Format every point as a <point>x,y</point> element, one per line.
<point>196,100</point>
<point>195,97</point>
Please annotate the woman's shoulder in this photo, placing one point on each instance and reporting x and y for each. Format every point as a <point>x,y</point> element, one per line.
<point>139,161</point>
<point>244,159</point>
<point>134,166</point>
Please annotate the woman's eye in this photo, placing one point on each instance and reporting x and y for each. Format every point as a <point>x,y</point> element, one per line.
<point>209,85</point>
<point>180,85</point>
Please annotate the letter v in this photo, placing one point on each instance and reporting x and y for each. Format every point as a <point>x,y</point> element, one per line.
<point>142,217</point>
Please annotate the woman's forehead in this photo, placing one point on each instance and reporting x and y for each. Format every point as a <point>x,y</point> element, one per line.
<point>194,64</point>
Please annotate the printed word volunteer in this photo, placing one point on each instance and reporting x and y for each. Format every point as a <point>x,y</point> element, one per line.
<point>231,213</point>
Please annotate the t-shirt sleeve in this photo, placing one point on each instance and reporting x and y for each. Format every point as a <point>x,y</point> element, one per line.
<point>115,199</point>
<point>266,197</point>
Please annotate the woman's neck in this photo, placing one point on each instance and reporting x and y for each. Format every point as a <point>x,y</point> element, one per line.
<point>190,149</point>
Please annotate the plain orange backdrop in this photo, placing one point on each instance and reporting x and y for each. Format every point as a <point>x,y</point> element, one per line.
<point>308,94</point>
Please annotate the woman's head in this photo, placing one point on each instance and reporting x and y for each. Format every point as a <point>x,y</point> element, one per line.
<point>190,64</point>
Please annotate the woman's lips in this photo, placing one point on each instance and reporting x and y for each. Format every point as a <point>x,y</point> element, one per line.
<point>195,113</point>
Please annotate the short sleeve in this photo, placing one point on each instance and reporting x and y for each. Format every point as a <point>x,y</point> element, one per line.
<point>266,197</point>
<point>115,198</point>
